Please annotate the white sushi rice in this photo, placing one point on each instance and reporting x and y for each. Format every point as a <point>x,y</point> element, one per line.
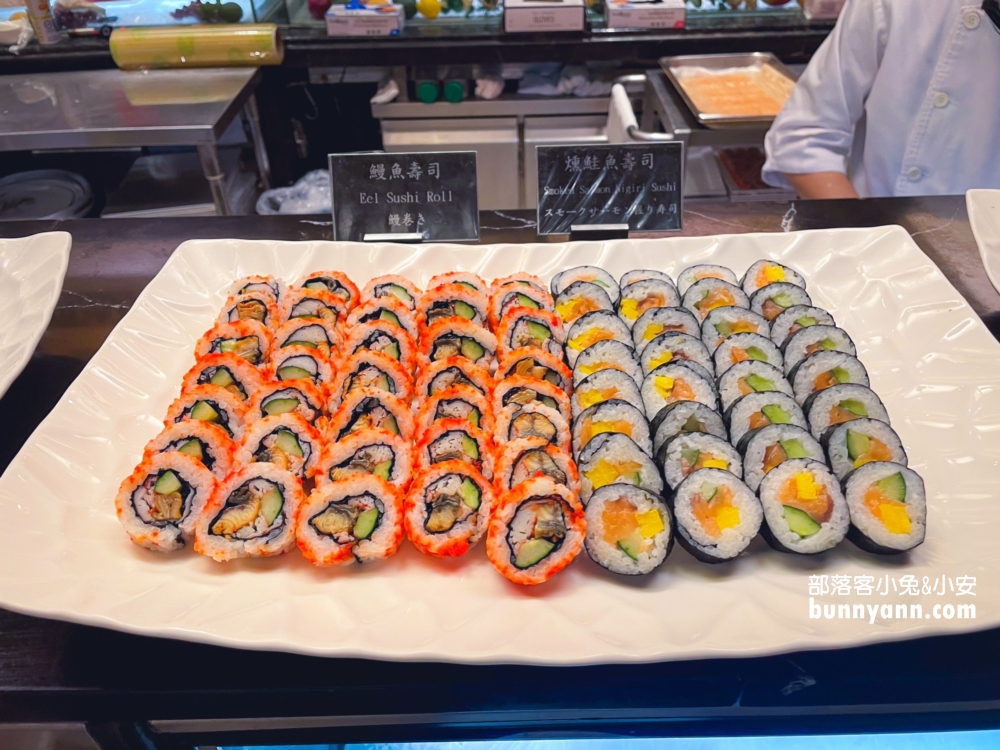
<point>787,322</point>
<point>673,420</point>
<point>671,347</point>
<point>830,338</point>
<point>790,275</point>
<point>731,541</point>
<point>593,274</point>
<point>698,291</point>
<point>616,448</point>
<point>692,274</point>
<point>729,387</point>
<point>739,414</point>
<point>803,377</point>
<point>611,556</point>
<point>781,294</point>
<point>873,528</point>
<point>836,444</point>
<point>757,445</point>
<point>831,532</point>
<point>603,320</point>
<point>604,386</point>
<point>641,274</point>
<point>660,320</point>
<point>672,455</point>
<point>817,408</point>
<point>611,413</point>
<point>644,295</point>
<point>652,387</point>
<point>750,343</point>
<point>713,327</point>
<point>607,355</point>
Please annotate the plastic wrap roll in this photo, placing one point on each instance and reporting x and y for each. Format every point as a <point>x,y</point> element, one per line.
<point>233,45</point>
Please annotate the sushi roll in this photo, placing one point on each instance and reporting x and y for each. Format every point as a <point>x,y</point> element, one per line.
<point>796,318</point>
<point>773,299</point>
<point>716,515</point>
<point>385,338</point>
<point>471,281</point>
<point>354,520</point>
<point>842,403</point>
<point>313,303</point>
<point>526,326</point>
<point>455,440</point>
<point>673,347</point>
<point>532,420</point>
<point>537,529</point>
<point>516,280</point>
<point>888,507</point>
<point>648,294</point>
<point>301,397</point>
<point>371,408</point>
<point>159,503</point>
<point>580,298</point>
<point>209,403</point>
<point>455,337</point>
<point>710,294</point>
<point>724,322</point>
<point>607,355</point>
<point>520,391</point>
<point>390,285</point>
<point>642,274</point>
<point>531,362</point>
<point>756,410</point>
<point>765,272</point>
<point>256,306</point>
<point>201,440</point>
<point>447,509</point>
<point>804,510</point>
<point>611,416</point>
<point>769,447</point>
<point>604,386</point>
<point>660,320</point>
<point>458,402</point>
<point>814,339</point>
<point>748,377</point>
<point>520,460</point>
<point>593,274</point>
<point>683,417</point>
<point>668,384</point>
<point>693,274</point>
<point>368,452</point>
<point>228,371</point>
<point>743,346</point>
<point>298,362</point>
<point>853,444</point>
<point>334,282</point>
<point>442,375</point>
<point>612,458</point>
<point>314,333</point>
<point>288,441</point>
<point>824,369</point>
<point>690,451</point>
<point>370,369</point>
<point>251,514</point>
<point>386,310</point>
<point>602,325</point>
<point>451,301</point>
<point>512,295</point>
<point>257,283</point>
<point>246,339</point>
<point>630,530</point>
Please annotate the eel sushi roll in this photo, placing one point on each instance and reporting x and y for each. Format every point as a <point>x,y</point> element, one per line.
<point>456,337</point>
<point>458,402</point>
<point>258,283</point>
<point>314,333</point>
<point>842,403</point>
<point>369,452</point>
<point>512,295</point>
<point>756,410</point>
<point>537,529</point>
<point>580,298</point>
<point>748,377</point>
<point>773,299</point>
<point>693,274</point>
<point>888,507</point>
<point>336,283</point>
<point>743,346</point>
<point>804,510</point>
<point>668,384</point>
<point>532,362</point>
<point>471,281</point>
<point>257,306</point>
<point>724,322</point>
<point>601,325</point>
<point>716,515</point>
<point>613,458</point>
<point>592,274</point>
<point>818,338</point>
<point>158,505</point>
<point>451,301</point>
<point>796,318</point>
<point>447,509</point>
<point>824,369</point>
<point>526,326</point>
<point>684,417</point>
<point>611,416</point>
<point>354,520</point>
<point>201,440</point>
<point>525,458</point>
<point>766,272</point>
<point>674,347</point>
<point>298,362</point>
<point>288,441</point>
<point>710,294</point>
<point>390,285</point>
<point>228,371</point>
<point>630,530</point>
<point>604,386</point>
<point>690,451</point>
<point>385,310</point>
<point>648,294</point>
<point>642,274</point>
<point>300,397</point>
<point>532,420</point>
<point>455,440</point>
<point>371,409</point>
<point>661,320</point>
<point>369,369</point>
<point>766,449</point>
<point>607,355</point>
<point>853,444</point>
<point>313,303</point>
<point>385,338</point>
<point>447,373</point>
<point>212,404</point>
<point>250,514</point>
<point>521,391</point>
<point>246,339</point>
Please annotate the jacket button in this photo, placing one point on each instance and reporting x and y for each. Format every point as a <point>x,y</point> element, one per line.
<point>914,173</point>
<point>941,99</point>
<point>971,20</point>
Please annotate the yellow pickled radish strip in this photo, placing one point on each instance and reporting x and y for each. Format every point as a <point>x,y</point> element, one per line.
<point>629,308</point>
<point>894,517</point>
<point>591,369</point>
<point>728,517</point>
<point>806,486</point>
<point>774,274</point>
<point>593,396</point>
<point>650,523</point>
<point>588,338</point>
<point>653,330</point>
<point>664,385</point>
<point>661,359</point>
<point>607,472</point>
<point>715,463</point>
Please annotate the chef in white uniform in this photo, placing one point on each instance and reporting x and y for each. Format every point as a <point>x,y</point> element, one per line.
<point>903,98</point>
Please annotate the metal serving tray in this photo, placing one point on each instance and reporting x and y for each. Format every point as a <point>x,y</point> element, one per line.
<point>717,62</point>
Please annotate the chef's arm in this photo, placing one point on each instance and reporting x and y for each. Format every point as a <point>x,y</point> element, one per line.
<point>822,185</point>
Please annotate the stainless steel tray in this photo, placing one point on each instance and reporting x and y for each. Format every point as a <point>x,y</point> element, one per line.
<point>717,62</point>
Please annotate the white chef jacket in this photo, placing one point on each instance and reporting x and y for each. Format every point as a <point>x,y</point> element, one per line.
<point>903,97</point>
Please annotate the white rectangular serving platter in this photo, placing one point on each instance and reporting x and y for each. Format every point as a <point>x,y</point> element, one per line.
<point>930,358</point>
<point>984,216</point>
